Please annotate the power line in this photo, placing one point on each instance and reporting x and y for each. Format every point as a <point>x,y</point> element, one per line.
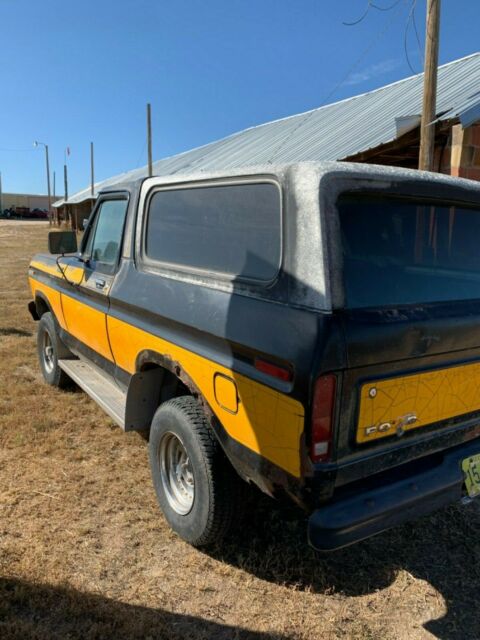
<point>392,6</point>
<point>362,17</point>
<point>414,22</point>
<point>371,5</point>
<point>405,46</point>
<point>411,20</point>
<point>360,59</point>
<point>362,56</point>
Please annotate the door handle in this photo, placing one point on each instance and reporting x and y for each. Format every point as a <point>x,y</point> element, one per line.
<point>100,283</point>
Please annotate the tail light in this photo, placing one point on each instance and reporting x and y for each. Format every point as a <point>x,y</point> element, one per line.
<point>322,418</point>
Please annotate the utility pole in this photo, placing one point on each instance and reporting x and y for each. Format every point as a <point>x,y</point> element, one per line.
<point>149,139</point>
<point>36,144</point>
<point>65,182</point>
<point>48,183</point>
<point>1,205</point>
<point>427,128</point>
<point>65,198</point>
<point>92,173</point>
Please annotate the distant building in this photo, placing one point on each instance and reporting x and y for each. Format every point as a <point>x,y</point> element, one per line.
<point>381,127</point>
<point>24,200</point>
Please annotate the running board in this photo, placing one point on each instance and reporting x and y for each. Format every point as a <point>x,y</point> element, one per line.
<point>99,387</point>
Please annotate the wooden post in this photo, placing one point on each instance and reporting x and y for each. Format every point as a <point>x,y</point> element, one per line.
<point>48,185</point>
<point>427,128</point>
<point>92,173</point>
<point>149,139</point>
<point>65,198</point>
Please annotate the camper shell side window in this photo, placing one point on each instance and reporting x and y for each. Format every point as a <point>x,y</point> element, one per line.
<point>229,231</point>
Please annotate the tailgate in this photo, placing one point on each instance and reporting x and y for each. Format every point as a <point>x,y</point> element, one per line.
<point>393,406</point>
<point>411,372</point>
<point>411,322</point>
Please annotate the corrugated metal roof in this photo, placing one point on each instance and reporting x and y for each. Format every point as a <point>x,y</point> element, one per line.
<point>331,132</point>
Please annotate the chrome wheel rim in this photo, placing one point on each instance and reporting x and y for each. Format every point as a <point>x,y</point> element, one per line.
<point>48,354</point>
<point>176,474</point>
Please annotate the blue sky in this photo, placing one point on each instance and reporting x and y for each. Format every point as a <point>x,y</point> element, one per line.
<point>72,72</point>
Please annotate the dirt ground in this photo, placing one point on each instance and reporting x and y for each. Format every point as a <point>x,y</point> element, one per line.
<point>86,554</point>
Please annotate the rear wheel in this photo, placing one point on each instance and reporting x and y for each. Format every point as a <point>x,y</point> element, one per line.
<point>196,487</point>
<point>50,349</point>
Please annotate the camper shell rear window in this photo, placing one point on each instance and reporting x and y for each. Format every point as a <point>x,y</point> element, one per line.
<point>402,250</point>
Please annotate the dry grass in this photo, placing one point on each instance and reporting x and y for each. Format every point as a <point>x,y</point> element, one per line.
<point>85,553</point>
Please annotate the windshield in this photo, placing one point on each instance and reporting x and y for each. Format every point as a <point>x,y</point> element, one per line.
<point>401,251</point>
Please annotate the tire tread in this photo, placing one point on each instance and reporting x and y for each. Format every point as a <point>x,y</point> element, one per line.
<point>59,378</point>
<point>225,484</point>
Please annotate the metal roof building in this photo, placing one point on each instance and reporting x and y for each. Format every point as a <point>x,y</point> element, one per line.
<point>379,126</point>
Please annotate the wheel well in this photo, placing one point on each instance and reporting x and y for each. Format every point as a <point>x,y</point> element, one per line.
<point>171,385</point>
<point>150,387</point>
<point>41,306</point>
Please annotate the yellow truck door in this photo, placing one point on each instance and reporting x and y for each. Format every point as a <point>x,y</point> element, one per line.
<point>86,305</point>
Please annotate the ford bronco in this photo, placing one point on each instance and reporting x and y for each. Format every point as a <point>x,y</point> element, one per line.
<point>313,329</point>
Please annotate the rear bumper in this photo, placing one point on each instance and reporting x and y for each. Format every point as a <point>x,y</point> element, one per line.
<point>367,513</point>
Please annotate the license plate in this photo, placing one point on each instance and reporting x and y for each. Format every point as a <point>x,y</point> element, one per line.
<point>471,469</point>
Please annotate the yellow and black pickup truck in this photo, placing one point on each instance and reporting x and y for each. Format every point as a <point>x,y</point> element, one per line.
<point>311,328</point>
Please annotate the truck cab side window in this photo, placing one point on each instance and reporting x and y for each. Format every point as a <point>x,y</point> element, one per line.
<point>104,241</point>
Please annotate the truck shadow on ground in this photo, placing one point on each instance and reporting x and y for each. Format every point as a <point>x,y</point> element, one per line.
<point>29,611</point>
<point>13,331</point>
<point>442,549</point>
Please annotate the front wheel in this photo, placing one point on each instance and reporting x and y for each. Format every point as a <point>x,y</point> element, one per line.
<point>196,487</point>
<point>50,349</point>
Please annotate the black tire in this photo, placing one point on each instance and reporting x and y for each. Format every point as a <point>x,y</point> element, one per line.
<point>217,487</point>
<point>47,336</point>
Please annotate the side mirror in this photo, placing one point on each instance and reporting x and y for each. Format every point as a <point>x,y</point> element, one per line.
<point>62,242</point>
